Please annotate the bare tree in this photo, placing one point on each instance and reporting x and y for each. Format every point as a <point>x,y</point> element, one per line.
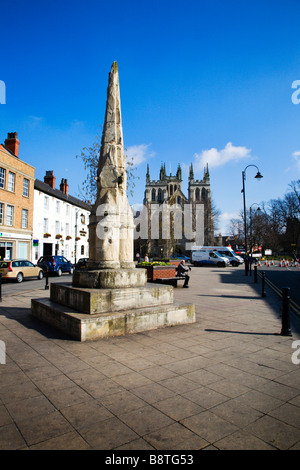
<point>90,158</point>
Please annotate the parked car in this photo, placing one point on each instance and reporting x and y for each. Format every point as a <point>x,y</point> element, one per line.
<point>20,269</point>
<point>55,264</point>
<point>81,263</point>
<point>186,258</point>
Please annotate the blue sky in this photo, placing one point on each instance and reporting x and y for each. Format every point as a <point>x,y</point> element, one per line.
<point>201,81</point>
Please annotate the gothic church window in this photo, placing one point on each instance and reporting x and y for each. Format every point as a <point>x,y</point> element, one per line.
<point>160,195</point>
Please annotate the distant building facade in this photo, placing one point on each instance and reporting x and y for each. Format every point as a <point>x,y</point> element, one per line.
<point>167,192</point>
<point>16,201</point>
<point>60,221</point>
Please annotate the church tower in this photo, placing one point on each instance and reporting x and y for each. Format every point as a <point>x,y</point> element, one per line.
<point>167,192</point>
<point>200,193</point>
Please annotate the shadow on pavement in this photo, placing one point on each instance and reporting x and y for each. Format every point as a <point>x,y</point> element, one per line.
<point>23,317</point>
<point>270,296</point>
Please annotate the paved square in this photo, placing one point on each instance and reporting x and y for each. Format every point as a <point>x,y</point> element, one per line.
<point>224,382</point>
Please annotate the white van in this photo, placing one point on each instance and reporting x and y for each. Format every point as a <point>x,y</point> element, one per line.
<point>225,251</point>
<point>208,258</point>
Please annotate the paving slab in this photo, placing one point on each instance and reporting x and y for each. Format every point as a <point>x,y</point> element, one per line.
<point>227,381</point>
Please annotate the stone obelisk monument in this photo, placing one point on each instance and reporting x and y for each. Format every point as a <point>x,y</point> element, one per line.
<point>111,297</point>
<point>112,227</point>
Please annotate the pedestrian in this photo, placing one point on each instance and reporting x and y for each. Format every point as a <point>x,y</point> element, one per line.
<point>146,258</point>
<point>182,270</point>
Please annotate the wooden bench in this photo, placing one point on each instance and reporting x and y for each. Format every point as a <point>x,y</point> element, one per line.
<point>170,280</point>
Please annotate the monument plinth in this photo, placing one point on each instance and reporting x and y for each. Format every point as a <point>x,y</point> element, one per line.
<point>111,297</point>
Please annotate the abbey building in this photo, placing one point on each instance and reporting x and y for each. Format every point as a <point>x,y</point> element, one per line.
<point>176,222</point>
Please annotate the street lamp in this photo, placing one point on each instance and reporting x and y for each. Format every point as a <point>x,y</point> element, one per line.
<point>76,225</point>
<point>251,239</point>
<point>257,176</point>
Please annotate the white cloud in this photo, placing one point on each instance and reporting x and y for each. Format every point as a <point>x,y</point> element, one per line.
<point>225,222</point>
<point>139,153</point>
<point>296,156</point>
<point>215,157</point>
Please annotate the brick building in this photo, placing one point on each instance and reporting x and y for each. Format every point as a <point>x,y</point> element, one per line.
<point>16,201</point>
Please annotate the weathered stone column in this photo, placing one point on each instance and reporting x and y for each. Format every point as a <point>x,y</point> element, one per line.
<point>111,224</point>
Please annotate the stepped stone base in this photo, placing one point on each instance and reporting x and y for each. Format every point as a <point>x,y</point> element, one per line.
<point>83,327</point>
<point>110,278</point>
<point>103,303</point>
<point>92,301</point>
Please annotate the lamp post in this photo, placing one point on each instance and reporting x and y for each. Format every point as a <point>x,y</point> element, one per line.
<point>76,226</point>
<point>251,239</point>
<point>258,209</point>
<point>257,176</point>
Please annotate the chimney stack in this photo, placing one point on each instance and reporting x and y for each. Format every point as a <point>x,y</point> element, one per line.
<point>49,178</point>
<point>12,143</point>
<point>64,187</point>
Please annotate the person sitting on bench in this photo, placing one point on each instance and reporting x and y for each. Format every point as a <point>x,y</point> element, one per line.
<point>182,271</point>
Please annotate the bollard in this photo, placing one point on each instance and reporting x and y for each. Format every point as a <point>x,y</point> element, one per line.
<point>46,281</point>
<point>285,329</point>
<point>263,293</point>
<point>0,287</point>
<point>255,274</point>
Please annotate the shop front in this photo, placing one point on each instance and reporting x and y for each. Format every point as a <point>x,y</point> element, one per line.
<point>15,246</point>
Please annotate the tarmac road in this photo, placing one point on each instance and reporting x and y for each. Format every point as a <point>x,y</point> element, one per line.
<point>12,287</point>
<point>284,277</point>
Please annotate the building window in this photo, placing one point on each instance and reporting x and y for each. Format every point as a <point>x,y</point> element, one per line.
<point>26,187</point>
<point>1,212</point>
<point>2,178</point>
<point>23,250</point>
<point>11,182</point>
<point>9,215</point>
<point>67,229</point>
<point>45,226</point>
<point>24,218</point>
<point>57,207</point>
<point>46,202</point>
<point>153,195</point>
<point>56,227</point>
<point>67,210</point>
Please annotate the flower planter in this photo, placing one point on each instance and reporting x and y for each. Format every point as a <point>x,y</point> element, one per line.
<point>159,272</point>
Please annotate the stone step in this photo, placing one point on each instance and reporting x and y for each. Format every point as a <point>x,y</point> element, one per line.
<point>93,301</point>
<point>83,327</point>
